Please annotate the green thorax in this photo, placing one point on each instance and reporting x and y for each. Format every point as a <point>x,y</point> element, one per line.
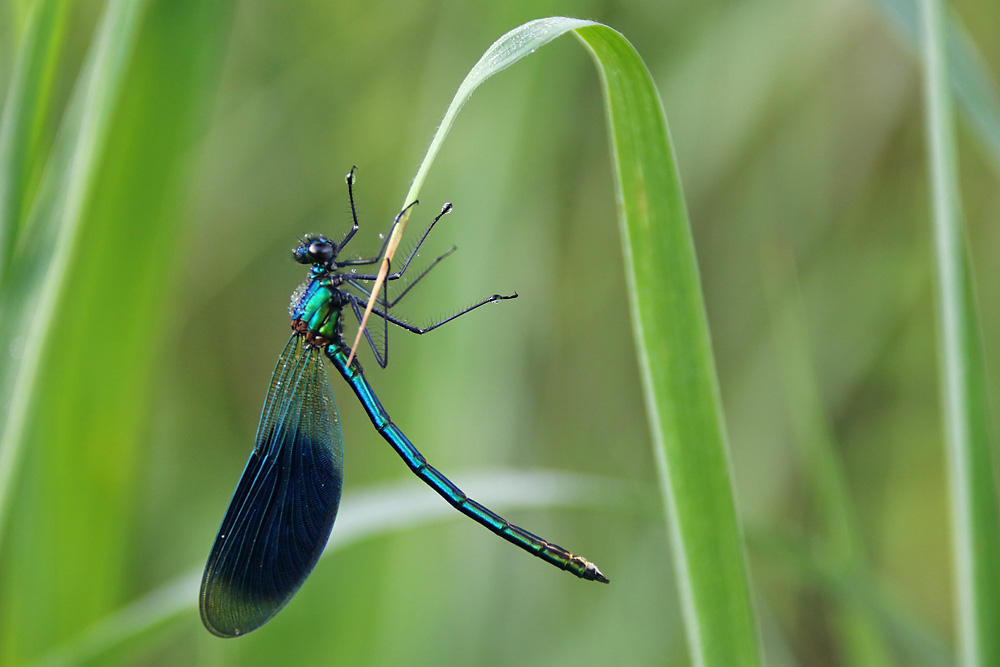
<point>315,306</point>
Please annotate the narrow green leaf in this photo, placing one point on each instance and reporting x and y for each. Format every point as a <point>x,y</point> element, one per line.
<point>675,360</point>
<point>971,469</point>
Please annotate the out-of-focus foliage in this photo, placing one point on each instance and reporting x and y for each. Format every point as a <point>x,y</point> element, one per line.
<point>798,129</point>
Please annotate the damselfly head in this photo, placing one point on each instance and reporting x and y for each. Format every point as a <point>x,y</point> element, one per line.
<point>314,250</point>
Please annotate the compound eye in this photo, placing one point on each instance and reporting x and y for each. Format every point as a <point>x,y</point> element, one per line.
<point>321,251</point>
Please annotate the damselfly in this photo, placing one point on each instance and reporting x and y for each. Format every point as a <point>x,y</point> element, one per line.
<point>283,509</point>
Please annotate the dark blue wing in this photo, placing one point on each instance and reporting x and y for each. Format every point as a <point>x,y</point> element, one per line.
<point>284,506</point>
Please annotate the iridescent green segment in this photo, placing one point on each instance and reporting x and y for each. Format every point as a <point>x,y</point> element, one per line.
<point>284,506</point>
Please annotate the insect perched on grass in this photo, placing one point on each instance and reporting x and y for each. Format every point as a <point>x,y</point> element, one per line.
<point>284,506</point>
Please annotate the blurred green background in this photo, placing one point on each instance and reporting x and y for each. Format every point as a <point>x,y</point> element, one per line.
<point>798,131</point>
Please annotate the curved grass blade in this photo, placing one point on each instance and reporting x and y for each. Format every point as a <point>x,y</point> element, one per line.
<point>284,507</point>
<point>671,331</point>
